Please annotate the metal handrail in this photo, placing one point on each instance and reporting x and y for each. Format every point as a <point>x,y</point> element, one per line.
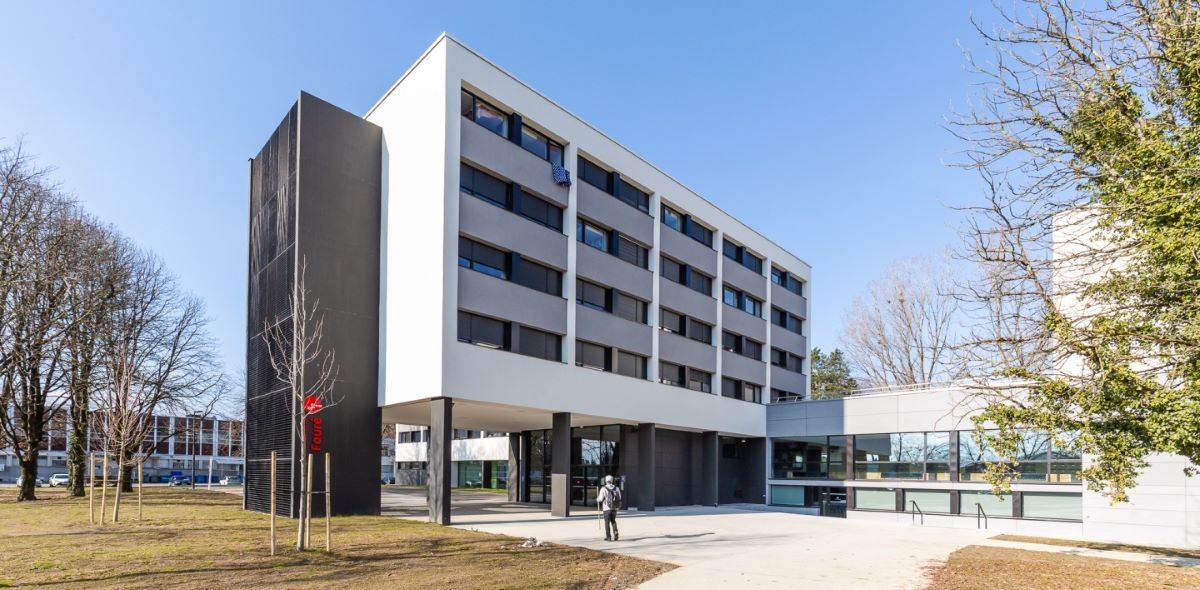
<point>917,510</point>
<point>979,512</point>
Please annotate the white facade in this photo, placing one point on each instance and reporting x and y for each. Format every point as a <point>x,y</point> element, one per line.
<point>422,135</point>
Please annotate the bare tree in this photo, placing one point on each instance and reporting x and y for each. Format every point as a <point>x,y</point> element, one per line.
<point>158,358</point>
<point>302,363</point>
<point>900,331</point>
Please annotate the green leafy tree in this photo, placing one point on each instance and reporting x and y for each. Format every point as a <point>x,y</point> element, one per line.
<point>830,374</point>
<point>1089,300</point>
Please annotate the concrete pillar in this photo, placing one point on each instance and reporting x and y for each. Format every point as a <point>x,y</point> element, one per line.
<point>486,474</point>
<point>514,466</point>
<point>440,434</point>
<point>560,465</point>
<point>709,466</point>
<point>645,474</point>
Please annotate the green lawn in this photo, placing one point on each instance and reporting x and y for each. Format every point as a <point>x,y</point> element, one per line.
<point>201,539</point>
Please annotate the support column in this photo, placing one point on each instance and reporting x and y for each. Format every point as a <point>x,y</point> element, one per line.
<point>645,474</point>
<point>709,467</point>
<point>440,434</point>
<point>560,465</point>
<point>514,466</point>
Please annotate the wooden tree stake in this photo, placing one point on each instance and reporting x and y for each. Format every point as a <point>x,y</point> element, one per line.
<point>103,487</point>
<point>273,502</point>
<point>328,503</point>
<point>91,481</point>
<point>308,512</point>
<point>140,482</point>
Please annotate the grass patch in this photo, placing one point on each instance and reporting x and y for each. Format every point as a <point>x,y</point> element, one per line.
<point>996,568</point>
<point>497,491</point>
<point>1163,551</point>
<point>201,539</point>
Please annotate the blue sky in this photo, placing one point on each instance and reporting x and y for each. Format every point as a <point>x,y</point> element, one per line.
<point>822,126</point>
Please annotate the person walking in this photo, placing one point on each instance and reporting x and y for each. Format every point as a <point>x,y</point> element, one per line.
<point>608,499</point>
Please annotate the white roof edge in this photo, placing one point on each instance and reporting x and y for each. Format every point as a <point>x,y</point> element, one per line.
<point>449,37</point>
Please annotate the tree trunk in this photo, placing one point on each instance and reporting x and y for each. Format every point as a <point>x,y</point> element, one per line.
<point>28,476</point>
<point>120,481</point>
<point>77,448</point>
<point>127,480</point>
<point>300,527</point>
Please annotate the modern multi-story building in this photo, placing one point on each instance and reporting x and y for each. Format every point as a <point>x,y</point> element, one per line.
<point>174,446</point>
<point>488,262</point>
<point>504,266</point>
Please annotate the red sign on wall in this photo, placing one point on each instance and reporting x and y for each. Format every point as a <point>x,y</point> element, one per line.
<point>316,436</point>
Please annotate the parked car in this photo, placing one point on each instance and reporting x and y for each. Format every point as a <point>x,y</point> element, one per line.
<point>37,481</point>
<point>231,480</point>
<point>180,481</point>
<point>59,479</point>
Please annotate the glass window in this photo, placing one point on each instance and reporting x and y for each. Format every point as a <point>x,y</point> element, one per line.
<point>730,249</point>
<point>591,235</point>
<point>973,457</point>
<point>672,218</point>
<point>1052,505</point>
<point>752,349</point>
<point>539,344</point>
<point>730,296</point>
<point>780,395</point>
<point>751,305</point>
<point>485,114</point>
<point>874,499</point>
<point>699,380</point>
<point>541,211</point>
<point>589,294</point>
<point>476,329</point>
<point>700,282</point>
<point>752,262</point>
<point>927,500</point>
<point>632,252</point>
<point>630,364</point>
<point>700,233</point>
<point>594,175</point>
<point>634,196</point>
<point>787,495</point>
<point>778,316</point>
<point>672,322</point>
<point>777,276</point>
<point>485,259</point>
<point>991,504</point>
<point>794,285</point>
<point>541,146</point>
<point>591,356</point>
<point>629,308</point>
<point>731,342</point>
<point>539,277</point>
<point>800,457</point>
<point>670,374</point>
<point>731,388</point>
<point>698,330</point>
<point>483,185</point>
<point>751,392</point>
<point>671,270</point>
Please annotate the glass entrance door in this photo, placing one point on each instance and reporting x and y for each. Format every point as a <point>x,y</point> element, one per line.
<point>595,453</point>
<point>832,501</point>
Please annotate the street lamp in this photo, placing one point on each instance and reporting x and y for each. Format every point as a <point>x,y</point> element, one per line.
<point>192,446</point>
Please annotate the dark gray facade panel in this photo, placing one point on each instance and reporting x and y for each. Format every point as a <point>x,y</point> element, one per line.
<point>681,350</point>
<point>678,460</point>
<point>789,301</point>
<point>498,227</point>
<point>605,328</point>
<point>441,429</point>
<point>736,320</point>
<point>789,341</point>
<point>786,380</point>
<point>743,278</point>
<point>560,465</point>
<point>331,206</point>
<point>610,271</point>
<point>709,479</point>
<point>509,161</point>
<point>507,300</point>
<point>647,474</point>
<point>687,250</point>
<point>736,366</point>
<point>514,467</point>
<point>683,300</point>
<point>607,210</point>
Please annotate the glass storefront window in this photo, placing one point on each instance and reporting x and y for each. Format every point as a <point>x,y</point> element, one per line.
<point>1040,457</point>
<point>801,457</point>
<point>787,495</point>
<point>903,455</point>
<point>991,504</point>
<point>1052,505</point>
<point>595,453</point>
<point>927,500</point>
<point>874,499</point>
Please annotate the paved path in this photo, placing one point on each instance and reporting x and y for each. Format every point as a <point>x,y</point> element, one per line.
<point>725,547</point>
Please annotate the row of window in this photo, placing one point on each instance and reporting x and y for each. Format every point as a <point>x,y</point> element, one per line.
<point>683,325</point>
<point>511,127</point>
<point>606,358</point>
<point>492,333</point>
<point>743,390</point>
<point>742,300</point>
<point>782,395</point>
<point>613,184</point>
<point>508,266</point>
<point>787,320</point>
<point>742,256</point>
<point>742,345</point>
<point>678,272</point>
<point>681,376</point>
<point>786,360</point>
<point>1031,505</point>
<point>509,196</point>
<point>918,456</point>
<point>601,298</point>
<point>612,242</point>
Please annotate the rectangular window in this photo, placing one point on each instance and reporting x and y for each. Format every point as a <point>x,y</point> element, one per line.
<point>481,258</point>
<point>743,256</point>
<point>589,294</point>
<point>629,308</point>
<point>672,218</point>
<point>591,356</point>
<point>751,392</point>
<point>752,349</point>
<point>539,344</point>
<point>700,233</point>
<point>875,499</point>
<point>592,235</point>
<point>794,285</point>
<point>631,365</point>
<point>780,395</point>
<point>540,145</point>
<point>785,279</point>
<point>541,211</point>
<point>800,457</point>
<point>786,360</point>
<point>971,503</point>
<point>903,455</point>
<point>731,342</point>
<point>699,282</point>
<point>670,374</point>
<point>700,331</point>
<point>490,117</point>
<point>1052,505</point>
<point>937,501</point>
<point>594,175</point>
<point>632,252</point>
<point>787,321</point>
<point>731,250</point>
<point>730,296</point>
<point>673,271</point>
<point>751,305</point>
<point>699,380</point>
<point>483,185</point>
<point>539,277</point>
<point>634,196</point>
<point>672,322</point>
<point>476,329</point>
<point>731,388</point>
<point>752,262</point>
